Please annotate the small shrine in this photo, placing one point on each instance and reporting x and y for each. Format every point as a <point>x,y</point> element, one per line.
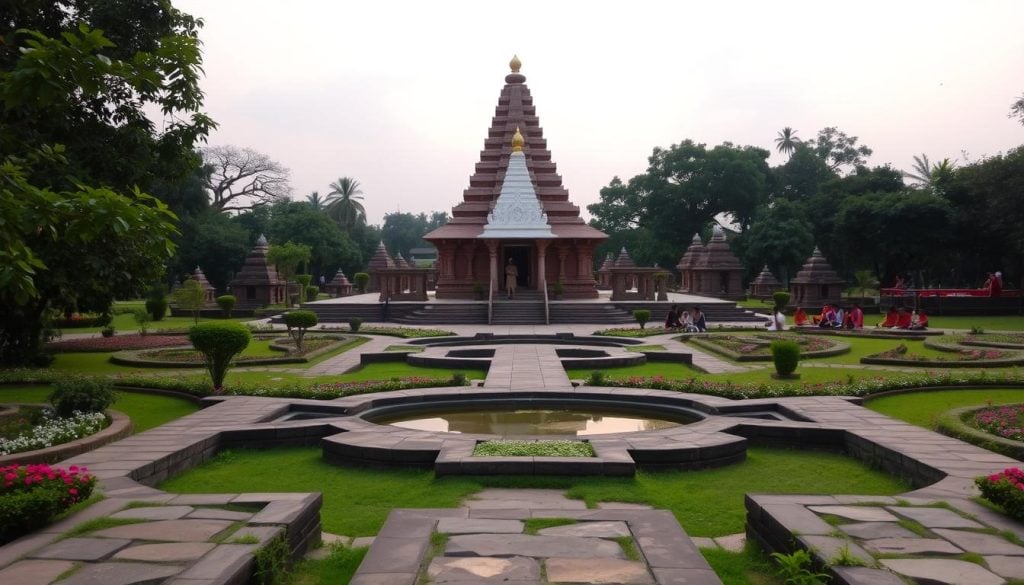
<point>339,286</point>
<point>765,285</point>
<point>817,283</point>
<point>604,273</point>
<point>689,258</point>
<point>717,272</point>
<point>257,284</point>
<point>209,293</point>
<point>381,261</point>
<point>633,283</point>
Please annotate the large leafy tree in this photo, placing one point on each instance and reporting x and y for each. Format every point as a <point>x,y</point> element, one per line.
<point>839,150</point>
<point>80,147</point>
<point>214,242</point>
<point>780,237</point>
<point>329,247</point>
<point>404,231</point>
<point>343,203</point>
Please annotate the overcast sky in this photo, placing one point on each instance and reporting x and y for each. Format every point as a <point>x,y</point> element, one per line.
<point>399,95</point>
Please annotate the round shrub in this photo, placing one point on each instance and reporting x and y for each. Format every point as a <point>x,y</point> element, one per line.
<point>361,279</point>
<point>642,316</point>
<point>311,292</point>
<point>781,299</point>
<point>219,343</point>
<point>226,303</point>
<point>82,395</point>
<point>354,323</point>
<point>1006,489</point>
<point>786,355</point>
<point>304,280</point>
<point>107,331</point>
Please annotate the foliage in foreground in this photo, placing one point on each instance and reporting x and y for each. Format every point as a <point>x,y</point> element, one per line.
<point>81,394</point>
<point>1005,489</point>
<point>31,495</point>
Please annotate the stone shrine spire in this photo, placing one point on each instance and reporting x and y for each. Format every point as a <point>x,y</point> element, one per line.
<point>518,212</point>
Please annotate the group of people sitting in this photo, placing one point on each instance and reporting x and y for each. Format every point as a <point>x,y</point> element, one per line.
<point>691,321</point>
<point>831,317</point>
<point>901,318</point>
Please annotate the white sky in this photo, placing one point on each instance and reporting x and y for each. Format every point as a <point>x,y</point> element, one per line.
<point>399,95</point>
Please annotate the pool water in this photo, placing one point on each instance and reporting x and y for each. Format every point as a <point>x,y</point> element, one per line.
<point>535,421</point>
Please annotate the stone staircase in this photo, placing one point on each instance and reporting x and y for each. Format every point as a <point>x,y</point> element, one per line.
<point>445,314</point>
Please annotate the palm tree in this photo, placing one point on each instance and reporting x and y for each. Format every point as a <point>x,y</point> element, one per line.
<point>929,174</point>
<point>343,202</point>
<point>315,201</point>
<point>787,141</point>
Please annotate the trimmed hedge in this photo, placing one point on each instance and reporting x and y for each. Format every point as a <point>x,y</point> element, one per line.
<point>226,304</point>
<point>220,343</point>
<point>786,356</point>
<point>82,395</point>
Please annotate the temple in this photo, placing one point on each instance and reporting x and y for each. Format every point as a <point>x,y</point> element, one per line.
<point>516,211</point>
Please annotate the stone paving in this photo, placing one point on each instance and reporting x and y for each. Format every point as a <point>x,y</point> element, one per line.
<point>527,367</point>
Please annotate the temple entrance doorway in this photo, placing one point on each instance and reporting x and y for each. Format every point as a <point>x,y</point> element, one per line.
<point>521,255</point>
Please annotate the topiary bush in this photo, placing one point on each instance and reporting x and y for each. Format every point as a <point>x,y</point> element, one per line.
<point>354,323</point>
<point>219,343</point>
<point>298,322</point>
<point>81,395</point>
<point>786,355</point>
<point>31,495</point>
<point>107,331</point>
<point>311,293</point>
<point>361,279</point>
<point>226,304</point>
<point>156,302</point>
<point>304,280</point>
<point>781,299</point>
<point>642,316</point>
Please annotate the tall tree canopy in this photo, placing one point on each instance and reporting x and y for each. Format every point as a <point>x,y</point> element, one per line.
<point>839,150</point>
<point>402,232</point>
<point>79,148</point>
<point>242,178</point>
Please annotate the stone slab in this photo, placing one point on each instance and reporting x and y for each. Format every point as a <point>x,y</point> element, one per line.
<point>866,576</point>
<point>704,542</point>
<point>686,577</point>
<point>858,513</point>
<point>168,530</point>
<point>165,553</point>
<point>121,574</point>
<point>1008,567</point>
<point>943,571</point>
<point>397,555</point>
<point>870,530</point>
<point>977,542</point>
<point>222,564</point>
<point>82,549</point>
<point>935,517</point>
<point>732,542</point>
<point>622,506</point>
<point>218,514</point>
<point>830,549</point>
<point>483,569</point>
<point>911,546</point>
<point>526,545</point>
<point>363,541</point>
<point>607,529</point>
<point>383,579</point>
<point>34,572</point>
<point>598,571</point>
<point>478,525</point>
<point>154,513</point>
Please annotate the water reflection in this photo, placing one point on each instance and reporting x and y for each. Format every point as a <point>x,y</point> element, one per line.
<point>533,422</point>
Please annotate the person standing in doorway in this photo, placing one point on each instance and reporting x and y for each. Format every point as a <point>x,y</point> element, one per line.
<point>511,276</point>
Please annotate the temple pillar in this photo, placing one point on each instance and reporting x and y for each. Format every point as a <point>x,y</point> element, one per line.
<point>562,253</point>
<point>492,249</point>
<point>469,258</point>
<point>542,266</point>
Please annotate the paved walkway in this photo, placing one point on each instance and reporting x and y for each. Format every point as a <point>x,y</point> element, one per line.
<point>527,367</point>
<point>345,361</point>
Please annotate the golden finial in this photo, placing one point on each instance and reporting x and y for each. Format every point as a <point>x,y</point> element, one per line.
<point>517,141</point>
<point>515,63</point>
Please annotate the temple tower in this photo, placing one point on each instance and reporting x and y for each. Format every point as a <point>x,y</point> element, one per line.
<point>515,210</point>
<point>816,283</point>
<point>257,284</point>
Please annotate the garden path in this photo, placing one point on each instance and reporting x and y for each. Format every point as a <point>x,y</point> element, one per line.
<point>527,367</point>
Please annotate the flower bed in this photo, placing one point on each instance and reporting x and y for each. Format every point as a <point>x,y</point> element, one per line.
<point>1002,421</point>
<point>117,343</point>
<point>31,495</point>
<point>757,347</point>
<point>1006,490</point>
<point>959,424</point>
<point>54,431</point>
<point>1004,340</point>
<point>187,357</point>
<point>958,357</point>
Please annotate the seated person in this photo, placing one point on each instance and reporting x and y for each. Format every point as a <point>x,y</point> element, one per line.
<point>777,322</point>
<point>800,318</point>
<point>903,319</point>
<point>828,317</point>
<point>699,321</point>
<point>857,317</point>
<point>922,322</point>
<point>848,320</point>
<point>672,320</point>
<point>840,317</point>
<point>891,318</point>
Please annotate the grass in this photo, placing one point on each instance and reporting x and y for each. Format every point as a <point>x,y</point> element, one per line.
<point>535,525</point>
<point>643,348</point>
<point>750,567</point>
<point>146,410</point>
<point>1002,323</point>
<point>706,502</point>
<point>924,408</point>
<point>339,567</point>
<point>533,449</point>
<point>126,322</point>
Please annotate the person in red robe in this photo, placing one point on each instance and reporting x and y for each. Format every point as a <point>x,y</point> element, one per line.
<point>903,319</point>
<point>890,318</point>
<point>995,287</point>
<point>800,318</point>
<point>922,322</point>
<point>857,316</point>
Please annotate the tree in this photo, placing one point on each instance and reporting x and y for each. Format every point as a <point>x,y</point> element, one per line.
<point>79,112</point>
<point>787,141</point>
<point>839,150</point>
<point>242,178</point>
<point>216,243</point>
<point>190,297</point>
<point>330,248</point>
<point>343,203</point>
<point>402,232</point>
<point>781,238</point>
<point>801,178</point>
<point>288,257</point>
<point>930,175</point>
<point>298,322</point>
<point>219,343</point>
<point>314,201</point>
<point>1017,109</point>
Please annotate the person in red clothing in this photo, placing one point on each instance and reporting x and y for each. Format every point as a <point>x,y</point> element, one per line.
<point>857,317</point>
<point>903,319</point>
<point>995,287</point>
<point>891,318</point>
<point>800,318</point>
<point>922,322</point>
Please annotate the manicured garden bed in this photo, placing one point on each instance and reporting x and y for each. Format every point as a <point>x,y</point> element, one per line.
<point>952,357</point>
<point>757,346</point>
<point>996,428</point>
<point>186,357</point>
<point>116,343</point>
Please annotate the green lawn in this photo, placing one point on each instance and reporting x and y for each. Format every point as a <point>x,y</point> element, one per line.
<point>125,323</point>
<point>145,410</point>
<point>924,408</point>
<point>707,502</point>
<point>750,567</point>
<point>1001,323</point>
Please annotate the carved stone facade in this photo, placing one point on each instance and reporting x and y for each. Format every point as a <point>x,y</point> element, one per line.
<point>765,285</point>
<point>486,232</point>
<point>816,283</point>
